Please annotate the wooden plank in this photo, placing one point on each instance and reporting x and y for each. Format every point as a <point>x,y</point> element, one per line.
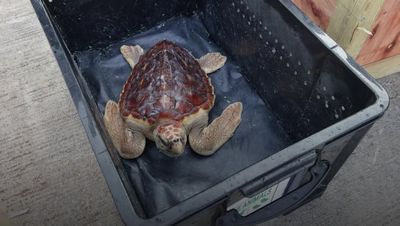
<point>384,67</point>
<point>319,11</point>
<point>368,30</point>
<point>345,21</point>
<point>349,22</point>
<point>386,39</point>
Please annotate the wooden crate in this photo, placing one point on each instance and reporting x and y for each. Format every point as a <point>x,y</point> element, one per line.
<point>369,30</point>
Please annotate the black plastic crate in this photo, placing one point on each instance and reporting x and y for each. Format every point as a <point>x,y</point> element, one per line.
<point>307,104</point>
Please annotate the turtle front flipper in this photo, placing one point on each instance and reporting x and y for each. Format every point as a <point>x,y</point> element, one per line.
<point>131,54</point>
<point>207,140</point>
<point>212,62</point>
<point>129,144</point>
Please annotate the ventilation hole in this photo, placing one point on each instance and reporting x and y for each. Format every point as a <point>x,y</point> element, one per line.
<point>290,54</point>
<point>248,22</point>
<point>295,72</point>
<point>333,97</point>
<point>305,83</point>
<point>260,36</point>
<point>276,40</point>
<point>233,4</point>
<point>244,16</point>
<point>273,50</point>
<point>336,116</point>
<point>343,108</point>
<point>324,88</point>
<point>287,65</point>
<point>241,2</point>
<point>266,43</point>
<point>270,33</point>
<point>265,28</point>
<point>259,22</point>
<point>280,58</point>
<point>254,16</point>
<point>283,47</point>
<point>326,104</point>
<point>238,10</point>
<point>308,72</point>
<point>299,63</point>
<point>318,97</point>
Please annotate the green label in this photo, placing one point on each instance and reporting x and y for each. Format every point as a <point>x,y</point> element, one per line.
<point>247,205</point>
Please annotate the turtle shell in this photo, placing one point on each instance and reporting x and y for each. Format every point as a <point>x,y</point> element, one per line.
<point>166,83</point>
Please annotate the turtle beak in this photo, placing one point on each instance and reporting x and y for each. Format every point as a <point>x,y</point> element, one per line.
<point>175,147</point>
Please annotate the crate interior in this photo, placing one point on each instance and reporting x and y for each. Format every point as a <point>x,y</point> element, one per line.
<point>290,84</point>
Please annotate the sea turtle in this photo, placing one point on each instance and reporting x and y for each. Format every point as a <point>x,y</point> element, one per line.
<point>167,98</point>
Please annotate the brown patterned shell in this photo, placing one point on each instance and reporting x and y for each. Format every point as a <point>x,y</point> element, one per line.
<point>166,83</point>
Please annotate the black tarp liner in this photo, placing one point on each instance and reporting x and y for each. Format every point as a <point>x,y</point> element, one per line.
<point>160,181</point>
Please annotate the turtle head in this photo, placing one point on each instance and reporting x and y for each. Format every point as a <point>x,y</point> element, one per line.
<point>170,138</point>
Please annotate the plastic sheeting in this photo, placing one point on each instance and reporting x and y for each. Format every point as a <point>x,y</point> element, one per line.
<point>160,181</point>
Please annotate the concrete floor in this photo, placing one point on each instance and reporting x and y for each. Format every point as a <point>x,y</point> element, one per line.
<point>49,175</point>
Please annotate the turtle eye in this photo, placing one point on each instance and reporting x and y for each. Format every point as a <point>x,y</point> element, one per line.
<point>164,142</point>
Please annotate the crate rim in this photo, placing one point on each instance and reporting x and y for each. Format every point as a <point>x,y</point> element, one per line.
<point>219,190</point>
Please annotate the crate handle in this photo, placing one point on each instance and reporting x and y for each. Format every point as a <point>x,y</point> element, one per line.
<point>283,205</point>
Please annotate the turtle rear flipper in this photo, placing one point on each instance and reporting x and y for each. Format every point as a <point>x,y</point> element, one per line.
<point>131,54</point>
<point>212,62</point>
